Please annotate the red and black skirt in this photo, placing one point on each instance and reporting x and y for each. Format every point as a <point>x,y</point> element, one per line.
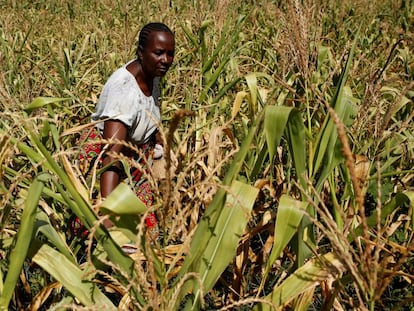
<point>90,157</point>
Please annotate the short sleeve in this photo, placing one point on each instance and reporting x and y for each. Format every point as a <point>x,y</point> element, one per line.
<point>122,99</point>
<point>117,100</point>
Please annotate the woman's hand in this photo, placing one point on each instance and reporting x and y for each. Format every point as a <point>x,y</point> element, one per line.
<point>110,178</point>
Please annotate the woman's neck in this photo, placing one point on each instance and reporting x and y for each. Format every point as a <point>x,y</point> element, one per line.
<point>144,83</point>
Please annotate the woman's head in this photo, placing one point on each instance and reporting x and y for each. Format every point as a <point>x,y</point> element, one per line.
<point>156,48</point>
<point>146,31</point>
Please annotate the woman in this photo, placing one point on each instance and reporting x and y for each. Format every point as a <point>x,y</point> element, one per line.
<point>129,109</point>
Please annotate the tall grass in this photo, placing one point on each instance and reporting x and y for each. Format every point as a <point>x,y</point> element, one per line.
<point>289,182</point>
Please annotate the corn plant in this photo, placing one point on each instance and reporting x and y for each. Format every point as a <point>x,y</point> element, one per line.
<point>288,180</point>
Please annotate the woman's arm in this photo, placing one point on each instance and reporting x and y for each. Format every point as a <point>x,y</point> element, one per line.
<point>110,178</point>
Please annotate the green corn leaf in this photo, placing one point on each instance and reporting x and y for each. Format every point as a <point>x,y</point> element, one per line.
<point>54,132</point>
<point>276,118</point>
<point>303,279</point>
<point>251,80</point>
<point>225,89</point>
<point>44,226</point>
<point>224,41</point>
<point>284,93</point>
<point>189,34</point>
<point>32,154</point>
<point>1,283</point>
<point>297,146</point>
<point>220,249</point>
<point>72,278</point>
<point>395,93</point>
<point>281,119</point>
<point>398,200</point>
<point>83,209</point>
<point>345,108</point>
<point>41,102</point>
<point>240,157</point>
<point>224,51</point>
<point>212,79</point>
<point>304,301</point>
<point>85,212</point>
<point>327,138</point>
<point>289,120</point>
<point>125,208</point>
<point>24,237</point>
<point>410,196</point>
<point>202,39</point>
<point>123,201</point>
<point>211,216</point>
<point>208,62</point>
<point>259,160</point>
<point>229,228</point>
<point>324,56</point>
<point>288,218</point>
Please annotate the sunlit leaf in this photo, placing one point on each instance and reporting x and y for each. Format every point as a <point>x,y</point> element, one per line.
<point>303,279</point>
<point>220,249</point>
<point>328,135</point>
<point>123,201</point>
<point>288,218</point>
<point>41,102</point>
<point>44,226</point>
<point>276,118</point>
<point>24,237</point>
<point>72,278</point>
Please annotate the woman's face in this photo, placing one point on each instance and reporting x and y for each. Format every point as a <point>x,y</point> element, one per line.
<point>158,54</point>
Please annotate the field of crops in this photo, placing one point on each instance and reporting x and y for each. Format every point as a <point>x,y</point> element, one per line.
<point>288,176</point>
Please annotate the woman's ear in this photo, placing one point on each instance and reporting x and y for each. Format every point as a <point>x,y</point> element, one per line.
<point>139,53</point>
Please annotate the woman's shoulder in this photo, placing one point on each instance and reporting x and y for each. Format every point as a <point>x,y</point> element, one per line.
<point>120,79</point>
<point>120,73</point>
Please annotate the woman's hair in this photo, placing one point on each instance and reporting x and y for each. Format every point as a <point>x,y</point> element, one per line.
<point>146,32</point>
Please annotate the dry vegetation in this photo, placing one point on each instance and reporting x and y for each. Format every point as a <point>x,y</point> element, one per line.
<point>289,181</point>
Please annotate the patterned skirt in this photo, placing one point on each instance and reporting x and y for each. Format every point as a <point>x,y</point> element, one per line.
<point>91,148</point>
